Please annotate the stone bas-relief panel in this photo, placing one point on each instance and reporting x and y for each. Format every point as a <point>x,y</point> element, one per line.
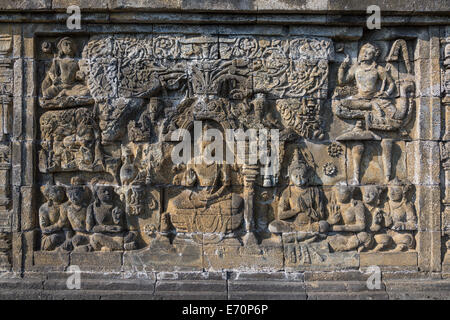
<point>109,106</point>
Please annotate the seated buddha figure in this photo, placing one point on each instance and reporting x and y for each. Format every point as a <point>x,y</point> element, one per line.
<point>54,227</point>
<point>64,78</point>
<point>106,221</point>
<point>206,204</point>
<point>403,215</point>
<point>348,221</point>
<point>301,208</point>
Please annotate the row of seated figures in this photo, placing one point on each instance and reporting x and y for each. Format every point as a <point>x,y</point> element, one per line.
<point>77,225</point>
<point>351,224</point>
<point>207,205</point>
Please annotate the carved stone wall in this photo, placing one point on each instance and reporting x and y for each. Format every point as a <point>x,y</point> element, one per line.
<point>87,123</point>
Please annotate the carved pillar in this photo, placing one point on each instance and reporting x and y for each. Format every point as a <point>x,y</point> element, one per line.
<point>446,99</point>
<point>250,173</point>
<point>444,146</point>
<point>6,92</point>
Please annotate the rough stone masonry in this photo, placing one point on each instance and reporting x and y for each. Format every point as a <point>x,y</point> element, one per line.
<point>88,123</point>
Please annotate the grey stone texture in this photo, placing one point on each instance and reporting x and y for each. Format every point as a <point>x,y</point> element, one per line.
<point>88,180</point>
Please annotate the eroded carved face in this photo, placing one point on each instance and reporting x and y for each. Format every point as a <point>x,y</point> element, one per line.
<point>367,54</point>
<point>67,47</point>
<point>105,194</point>
<point>299,177</point>
<point>396,193</point>
<point>344,194</point>
<point>370,195</point>
<point>76,196</point>
<point>378,218</point>
<point>56,194</point>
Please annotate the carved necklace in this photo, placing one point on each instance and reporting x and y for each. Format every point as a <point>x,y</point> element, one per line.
<point>370,67</point>
<point>397,205</point>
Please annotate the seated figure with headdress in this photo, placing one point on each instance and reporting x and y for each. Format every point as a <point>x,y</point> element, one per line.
<point>301,208</point>
<point>64,78</point>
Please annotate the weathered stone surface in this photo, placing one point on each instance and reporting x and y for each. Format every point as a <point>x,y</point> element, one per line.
<point>398,259</point>
<point>111,158</point>
<point>97,261</point>
<point>161,256</point>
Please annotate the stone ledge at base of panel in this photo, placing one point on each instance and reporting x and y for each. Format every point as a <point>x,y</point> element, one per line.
<point>235,6</point>
<point>225,286</point>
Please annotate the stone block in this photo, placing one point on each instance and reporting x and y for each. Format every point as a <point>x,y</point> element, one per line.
<point>46,260</point>
<point>184,255</point>
<point>96,261</point>
<point>83,4</point>
<point>398,259</point>
<point>266,256</point>
<point>292,5</point>
<point>361,6</point>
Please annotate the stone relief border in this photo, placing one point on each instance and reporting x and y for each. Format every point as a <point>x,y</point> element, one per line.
<point>425,180</point>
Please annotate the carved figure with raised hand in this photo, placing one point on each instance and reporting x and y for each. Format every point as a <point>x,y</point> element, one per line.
<point>64,80</point>
<point>105,218</point>
<point>367,74</point>
<point>375,86</point>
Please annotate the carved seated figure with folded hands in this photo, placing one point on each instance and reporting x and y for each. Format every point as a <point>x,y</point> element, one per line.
<point>380,219</point>
<point>105,219</point>
<point>54,227</point>
<point>301,207</point>
<point>75,211</point>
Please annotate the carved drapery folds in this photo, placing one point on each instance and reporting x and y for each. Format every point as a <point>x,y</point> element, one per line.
<point>109,106</point>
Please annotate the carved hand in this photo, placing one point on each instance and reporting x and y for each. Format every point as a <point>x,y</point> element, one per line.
<point>346,62</point>
<point>288,214</point>
<point>398,226</point>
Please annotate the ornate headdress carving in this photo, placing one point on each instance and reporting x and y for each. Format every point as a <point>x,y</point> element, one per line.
<point>297,163</point>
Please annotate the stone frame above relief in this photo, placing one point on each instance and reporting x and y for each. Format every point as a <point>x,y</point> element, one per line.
<point>201,255</point>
